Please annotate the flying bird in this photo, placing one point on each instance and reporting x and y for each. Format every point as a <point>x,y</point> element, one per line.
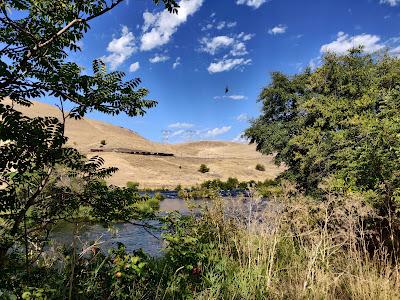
<point>226,90</point>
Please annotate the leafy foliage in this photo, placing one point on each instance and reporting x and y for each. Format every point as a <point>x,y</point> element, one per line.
<point>42,180</point>
<point>339,122</point>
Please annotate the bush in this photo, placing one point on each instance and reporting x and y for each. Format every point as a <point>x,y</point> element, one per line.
<point>159,196</point>
<point>103,142</point>
<point>132,185</point>
<point>260,167</point>
<point>204,169</point>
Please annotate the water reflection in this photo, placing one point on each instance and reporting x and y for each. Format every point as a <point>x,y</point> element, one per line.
<point>136,237</point>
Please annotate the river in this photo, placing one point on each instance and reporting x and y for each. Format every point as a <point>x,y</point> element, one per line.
<point>134,237</point>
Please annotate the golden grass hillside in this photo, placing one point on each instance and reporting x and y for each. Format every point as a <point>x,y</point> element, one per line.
<point>225,159</point>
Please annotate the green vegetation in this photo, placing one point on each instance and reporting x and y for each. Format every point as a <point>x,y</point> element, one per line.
<point>212,188</point>
<point>158,196</point>
<point>204,169</point>
<point>331,228</point>
<point>132,185</point>
<point>260,167</point>
<point>103,142</point>
<point>309,251</point>
<point>42,181</point>
<point>337,123</point>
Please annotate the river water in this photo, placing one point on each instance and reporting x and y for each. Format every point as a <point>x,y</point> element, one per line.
<point>134,237</point>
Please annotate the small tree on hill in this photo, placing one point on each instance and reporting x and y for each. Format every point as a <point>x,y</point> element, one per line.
<point>204,169</point>
<point>260,167</point>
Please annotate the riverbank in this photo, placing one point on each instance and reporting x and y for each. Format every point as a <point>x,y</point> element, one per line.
<point>308,250</point>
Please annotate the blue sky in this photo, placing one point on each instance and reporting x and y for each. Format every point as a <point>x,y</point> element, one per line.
<point>186,61</point>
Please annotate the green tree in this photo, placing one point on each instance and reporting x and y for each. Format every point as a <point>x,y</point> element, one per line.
<point>204,169</point>
<point>41,180</point>
<point>338,122</point>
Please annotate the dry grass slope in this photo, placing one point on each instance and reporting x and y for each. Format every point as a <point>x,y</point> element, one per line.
<point>225,159</point>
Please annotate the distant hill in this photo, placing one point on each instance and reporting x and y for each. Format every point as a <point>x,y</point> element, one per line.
<point>225,159</point>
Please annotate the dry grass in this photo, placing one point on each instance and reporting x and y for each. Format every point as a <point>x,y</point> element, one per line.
<point>225,159</point>
<point>302,250</point>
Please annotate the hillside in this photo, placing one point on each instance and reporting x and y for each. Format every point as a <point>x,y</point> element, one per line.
<point>225,159</point>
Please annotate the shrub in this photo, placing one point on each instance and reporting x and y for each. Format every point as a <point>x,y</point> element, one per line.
<point>103,142</point>
<point>204,169</point>
<point>132,185</point>
<point>260,167</point>
<point>159,196</point>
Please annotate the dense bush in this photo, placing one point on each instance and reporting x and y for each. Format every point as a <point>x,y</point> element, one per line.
<point>260,167</point>
<point>204,169</point>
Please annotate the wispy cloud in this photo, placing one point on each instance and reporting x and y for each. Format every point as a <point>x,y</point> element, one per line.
<point>212,45</point>
<point>211,133</point>
<point>134,67</point>
<point>158,58</point>
<point>120,49</point>
<point>279,29</point>
<point>176,63</point>
<point>242,117</point>
<point>189,134</point>
<point>390,2</point>
<point>232,97</point>
<point>158,28</point>
<point>252,3</point>
<point>231,47</point>
<point>227,64</point>
<point>181,125</point>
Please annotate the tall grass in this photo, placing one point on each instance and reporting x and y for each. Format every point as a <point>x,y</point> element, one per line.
<point>296,249</point>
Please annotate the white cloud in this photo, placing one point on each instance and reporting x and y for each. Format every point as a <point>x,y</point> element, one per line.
<point>232,97</point>
<point>242,117</point>
<point>239,49</point>
<point>216,131</point>
<point>158,58</point>
<point>158,28</point>
<point>181,125</point>
<point>120,49</point>
<point>177,133</point>
<point>134,67</point>
<point>245,37</point>
<point>390,2</point>
<point>345,42</point>
<point>251,3</point>
<point>236,97</point>
<point>212,45</point>
<point>221,25</point>
<point>395,51</point>
<point>240,139</point>
<point>231,24</point>
<point>232,46</point>
<point>280,29</point>
<point>176,63</point>
<point>235,44</point>
<point>227,64</point>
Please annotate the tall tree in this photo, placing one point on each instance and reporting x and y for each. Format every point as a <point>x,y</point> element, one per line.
<point>42,180</point>
<point>338,122</point>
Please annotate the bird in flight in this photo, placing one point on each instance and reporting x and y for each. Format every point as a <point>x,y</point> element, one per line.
<point>226,90</point>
